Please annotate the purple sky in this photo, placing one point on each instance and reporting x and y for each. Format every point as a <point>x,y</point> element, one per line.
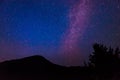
<point>63,31</point>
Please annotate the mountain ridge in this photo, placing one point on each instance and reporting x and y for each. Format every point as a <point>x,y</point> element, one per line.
<point>38,66</point>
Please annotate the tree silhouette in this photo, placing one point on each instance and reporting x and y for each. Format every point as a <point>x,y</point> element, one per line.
<point>104,59</point>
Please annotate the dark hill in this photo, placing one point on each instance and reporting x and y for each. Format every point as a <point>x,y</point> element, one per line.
<point>36,64</point>
<point>39,68</point>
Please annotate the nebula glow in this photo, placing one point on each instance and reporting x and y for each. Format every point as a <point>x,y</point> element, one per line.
<point>63,31</point>
<point>78,19</point>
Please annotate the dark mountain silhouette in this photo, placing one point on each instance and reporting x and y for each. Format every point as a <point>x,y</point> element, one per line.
<point>29,65</point>
<point>36,68</point>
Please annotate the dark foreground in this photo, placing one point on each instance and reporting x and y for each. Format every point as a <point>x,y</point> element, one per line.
<point>38,68</point>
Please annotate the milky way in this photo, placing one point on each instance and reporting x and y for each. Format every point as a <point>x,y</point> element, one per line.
<point>78,19</point>
<point>63,31</point>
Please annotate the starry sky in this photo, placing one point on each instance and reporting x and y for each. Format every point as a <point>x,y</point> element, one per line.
<point>63,31</point>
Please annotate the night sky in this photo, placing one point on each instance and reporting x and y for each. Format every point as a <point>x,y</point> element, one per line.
<point>63,31</point>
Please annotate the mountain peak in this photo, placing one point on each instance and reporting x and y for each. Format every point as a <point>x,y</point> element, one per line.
<point>35,57</point>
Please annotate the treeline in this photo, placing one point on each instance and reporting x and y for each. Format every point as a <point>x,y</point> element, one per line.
<point>105,59</point>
